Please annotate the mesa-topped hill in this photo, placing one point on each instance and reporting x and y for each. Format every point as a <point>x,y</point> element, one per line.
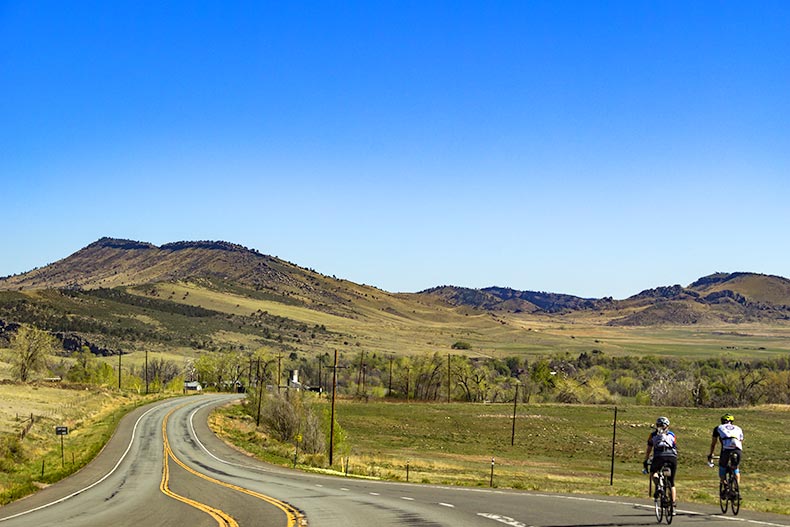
<point>217,295</point>
<point>111,262</point>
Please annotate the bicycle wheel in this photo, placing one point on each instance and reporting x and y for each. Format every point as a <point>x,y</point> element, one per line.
<point>735,497</point>
<point>657,501</point>
<point>723,496</point>
<point>669,506</point>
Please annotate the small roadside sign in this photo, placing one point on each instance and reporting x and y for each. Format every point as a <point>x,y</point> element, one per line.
<point>61,430</point>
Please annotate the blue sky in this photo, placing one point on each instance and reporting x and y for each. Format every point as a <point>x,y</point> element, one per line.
<point>589,148</point>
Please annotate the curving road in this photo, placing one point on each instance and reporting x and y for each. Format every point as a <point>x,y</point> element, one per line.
<point>165,467</point>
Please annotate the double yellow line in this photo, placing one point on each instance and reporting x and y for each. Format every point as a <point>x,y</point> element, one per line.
<point>223,519</point>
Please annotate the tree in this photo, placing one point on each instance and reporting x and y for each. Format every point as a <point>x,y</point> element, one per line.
<point>83,367</point>
<point>29,350</point>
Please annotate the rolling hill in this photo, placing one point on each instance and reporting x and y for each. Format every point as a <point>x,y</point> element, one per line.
<point>211,295</point>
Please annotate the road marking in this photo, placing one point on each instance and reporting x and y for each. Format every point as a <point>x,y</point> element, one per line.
<point>375,494</point>
<point>110,473</point>
<point>343,488</point>
<point>502,519</point>
<point>406,498</point>
<point>450,505</point>
<point>223,519</point>
<point>293,516</point>
<point>650,507</point>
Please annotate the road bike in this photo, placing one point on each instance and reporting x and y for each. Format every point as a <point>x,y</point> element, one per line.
<point>729,492</point>
<point>662,497</point>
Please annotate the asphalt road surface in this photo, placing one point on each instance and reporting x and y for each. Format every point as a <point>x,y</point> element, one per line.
<point>163,467</point>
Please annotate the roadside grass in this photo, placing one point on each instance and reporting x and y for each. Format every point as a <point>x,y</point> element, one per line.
<point>33,462</point>
<point>557,448</point>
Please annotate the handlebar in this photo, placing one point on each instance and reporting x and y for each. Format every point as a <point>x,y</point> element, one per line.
<point>711,464</point>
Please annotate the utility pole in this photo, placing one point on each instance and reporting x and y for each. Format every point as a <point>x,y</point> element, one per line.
<point>332,419</point>
<point>249,374</point>
<point>360,375</point>
<point>614,441</point>
<point>448,378</point>
<point>513,432</point>
<point>279,370</point>
<point>120,353</point>
<point>146,371</point>
<point>260,393</point>
<point>389,390</point>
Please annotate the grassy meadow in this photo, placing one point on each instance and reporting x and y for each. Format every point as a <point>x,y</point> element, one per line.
<point>557,448</point>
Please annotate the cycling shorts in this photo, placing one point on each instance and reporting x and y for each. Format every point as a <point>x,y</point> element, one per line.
<point>658,462</point>
<point>724,460</point>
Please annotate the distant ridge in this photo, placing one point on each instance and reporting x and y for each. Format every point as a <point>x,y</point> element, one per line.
<point>113,262</point>
<point>719,297</point>
<point>507,299</point>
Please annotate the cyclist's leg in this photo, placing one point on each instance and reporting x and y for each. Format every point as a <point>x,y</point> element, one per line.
<point>736,462</point>
<point>673,464</point>
<point>724,459</point>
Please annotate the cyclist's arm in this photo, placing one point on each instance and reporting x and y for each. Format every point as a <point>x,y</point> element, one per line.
<point>647,452</point>
<point>713,441</point>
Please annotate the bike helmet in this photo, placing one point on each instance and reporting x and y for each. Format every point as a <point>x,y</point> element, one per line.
<point>727,418</point>
<point>662,422</point>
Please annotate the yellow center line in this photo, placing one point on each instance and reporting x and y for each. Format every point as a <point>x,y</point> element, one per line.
<point>293,516</point>
<point>223,519</point>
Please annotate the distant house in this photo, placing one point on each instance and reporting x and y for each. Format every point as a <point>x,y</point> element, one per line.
<point>192,386</point>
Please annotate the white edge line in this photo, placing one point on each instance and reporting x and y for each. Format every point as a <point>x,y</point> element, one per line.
<point>110,473</point>
<point>202,446</point>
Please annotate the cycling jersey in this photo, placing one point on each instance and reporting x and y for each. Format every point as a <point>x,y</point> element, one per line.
<point>730,435</point>
<point>664,443</point>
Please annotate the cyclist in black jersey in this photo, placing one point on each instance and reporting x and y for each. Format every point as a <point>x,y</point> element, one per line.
<point>663,444</point>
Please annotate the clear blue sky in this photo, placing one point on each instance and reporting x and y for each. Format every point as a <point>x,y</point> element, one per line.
<point>588,148</point>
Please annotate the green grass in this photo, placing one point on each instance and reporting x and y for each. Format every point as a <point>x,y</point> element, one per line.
<point>557,448</point>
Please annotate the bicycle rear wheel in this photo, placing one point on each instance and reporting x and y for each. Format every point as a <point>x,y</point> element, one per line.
<point>669,513</point>
<point>723,496</point>
<point>659,509</point>
<point>669,509</point>
<point>735,497</point>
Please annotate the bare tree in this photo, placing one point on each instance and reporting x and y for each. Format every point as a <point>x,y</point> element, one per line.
<point>29,350</point>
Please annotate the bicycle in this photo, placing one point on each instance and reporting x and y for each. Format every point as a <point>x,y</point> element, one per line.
<point>662,497</point>
<point>729,492</point>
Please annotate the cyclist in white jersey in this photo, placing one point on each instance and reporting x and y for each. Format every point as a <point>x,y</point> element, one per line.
<point>731,438</point>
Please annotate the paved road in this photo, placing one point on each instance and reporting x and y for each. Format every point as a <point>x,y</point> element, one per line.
<point>164,467</point>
